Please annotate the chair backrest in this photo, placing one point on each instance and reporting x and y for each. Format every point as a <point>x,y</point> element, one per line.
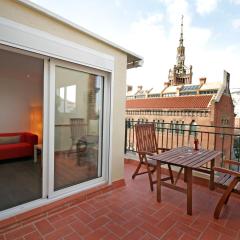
<point>146,138</point>
<point>78,128</point>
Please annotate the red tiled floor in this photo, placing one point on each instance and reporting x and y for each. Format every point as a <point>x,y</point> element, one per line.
<point>44,227</point>
<point>131,212</point>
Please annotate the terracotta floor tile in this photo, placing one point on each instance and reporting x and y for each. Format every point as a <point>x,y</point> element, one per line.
<point>59,233</point>
<point>83,216</point>
<point>110,236</point>
<point>100,212</point>
<point>187,237</point>
<point>81,228</point>
<point>135,234</point>
<point>116,218</point>
<point>166,223</point>
<point>162,213</point>
<point>33,236</point>
<point>132,212</point>
<point>148,218</point>
<point>223,230</point>
<point>68,212</point>
<point>64,221</point>
<point>133,223</point>
<point>73,236</point>
<point>188,230</point>
<point>226,237</point>
<point>200,224</point>
<point>53,218</point>
<point>233,223</point>
<point>85,206</point>
<point>98,222</point>
<point>116,229</point>
<point>20,232</point>
<point>98,234</point>
<point>155,231</point>
<point>173,234</point>
<point>209,234</point>
<point>44,227</point>
<point>149,237</point>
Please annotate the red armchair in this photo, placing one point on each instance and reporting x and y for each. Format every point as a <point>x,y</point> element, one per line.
<point>24,148</point>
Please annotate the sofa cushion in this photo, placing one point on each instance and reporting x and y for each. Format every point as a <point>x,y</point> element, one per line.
<point>8,151</point>
<point>9,139</point>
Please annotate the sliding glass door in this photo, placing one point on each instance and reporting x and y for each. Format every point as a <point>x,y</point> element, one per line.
<point>78,107</point>
<point>51,131</point>
<point>21,128</point>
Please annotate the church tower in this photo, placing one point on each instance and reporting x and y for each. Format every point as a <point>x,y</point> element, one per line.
<point>180,74</point>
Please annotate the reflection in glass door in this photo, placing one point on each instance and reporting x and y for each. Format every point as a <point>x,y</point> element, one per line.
<point>78,131</point>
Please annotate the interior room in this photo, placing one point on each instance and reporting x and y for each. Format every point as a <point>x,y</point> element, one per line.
<point>78,116</point>
<point>21,102</point>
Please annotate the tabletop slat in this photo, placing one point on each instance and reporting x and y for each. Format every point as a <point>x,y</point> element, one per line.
<point>187,157</point>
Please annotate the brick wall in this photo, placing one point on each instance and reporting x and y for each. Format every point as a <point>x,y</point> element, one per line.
<point>221,114</point>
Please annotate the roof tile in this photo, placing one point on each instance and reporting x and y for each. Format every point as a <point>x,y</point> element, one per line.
<point>181,102</point>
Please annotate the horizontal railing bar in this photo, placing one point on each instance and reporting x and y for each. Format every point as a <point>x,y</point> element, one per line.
<point>185,124</point>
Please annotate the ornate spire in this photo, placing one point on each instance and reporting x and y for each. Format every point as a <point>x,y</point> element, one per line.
<point>181,35</point>
<point>180,74</point>
<point>181,49</point>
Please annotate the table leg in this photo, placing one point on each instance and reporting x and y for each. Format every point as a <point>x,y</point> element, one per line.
<point>189,190</point>
<point>185,175</point>
<point>158,181</point>
<point>211,182</point>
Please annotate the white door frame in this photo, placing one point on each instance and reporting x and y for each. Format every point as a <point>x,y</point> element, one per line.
<point>48,196</point>
<point>104,123</point>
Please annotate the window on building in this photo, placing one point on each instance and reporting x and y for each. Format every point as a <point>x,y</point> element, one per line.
<point>66,97</point>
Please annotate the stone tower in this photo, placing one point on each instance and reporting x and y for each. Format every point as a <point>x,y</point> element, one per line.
<point>180,74</point>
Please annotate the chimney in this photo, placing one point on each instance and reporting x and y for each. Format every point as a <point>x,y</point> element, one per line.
<point>178,91</point>
<point>166,84</point>
<point>129,88</point>
<point>202,80</point>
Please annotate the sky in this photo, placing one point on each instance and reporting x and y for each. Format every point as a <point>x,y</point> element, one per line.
<point>151,29</point>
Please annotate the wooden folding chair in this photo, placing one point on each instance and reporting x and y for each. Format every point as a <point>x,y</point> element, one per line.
<point>147,146</point>
<point>230,181</point>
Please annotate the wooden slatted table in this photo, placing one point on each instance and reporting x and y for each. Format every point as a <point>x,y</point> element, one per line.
<point>189,159</point>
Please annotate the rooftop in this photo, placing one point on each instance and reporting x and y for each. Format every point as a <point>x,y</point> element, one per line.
<point>132,213</point>
<point>182,102</point>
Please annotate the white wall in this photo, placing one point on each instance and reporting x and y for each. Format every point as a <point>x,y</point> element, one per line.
<point>21,87</point>
<point>40,21</point>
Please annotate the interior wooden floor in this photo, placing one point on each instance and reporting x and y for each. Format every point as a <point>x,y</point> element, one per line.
<point>21,179</point>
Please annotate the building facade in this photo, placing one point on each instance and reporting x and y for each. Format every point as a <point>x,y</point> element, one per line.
<point>179,103</point>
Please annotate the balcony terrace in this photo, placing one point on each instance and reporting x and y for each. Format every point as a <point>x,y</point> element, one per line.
<point>132,212</point>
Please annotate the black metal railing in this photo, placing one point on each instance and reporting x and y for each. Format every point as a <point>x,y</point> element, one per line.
<point>174,134</point>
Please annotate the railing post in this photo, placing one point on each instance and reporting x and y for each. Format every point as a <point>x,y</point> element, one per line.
<point>125,137</point>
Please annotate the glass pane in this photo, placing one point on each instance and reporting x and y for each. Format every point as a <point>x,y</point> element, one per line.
<point>21,104</point>
<point>78,111</point>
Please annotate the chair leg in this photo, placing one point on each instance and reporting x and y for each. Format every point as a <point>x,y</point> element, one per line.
<point>178,176</point>
<point>150,177</point>
<point>137,170</point>
<point>225,197</point>
<point>154,169</point>
<point>170,173</point>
